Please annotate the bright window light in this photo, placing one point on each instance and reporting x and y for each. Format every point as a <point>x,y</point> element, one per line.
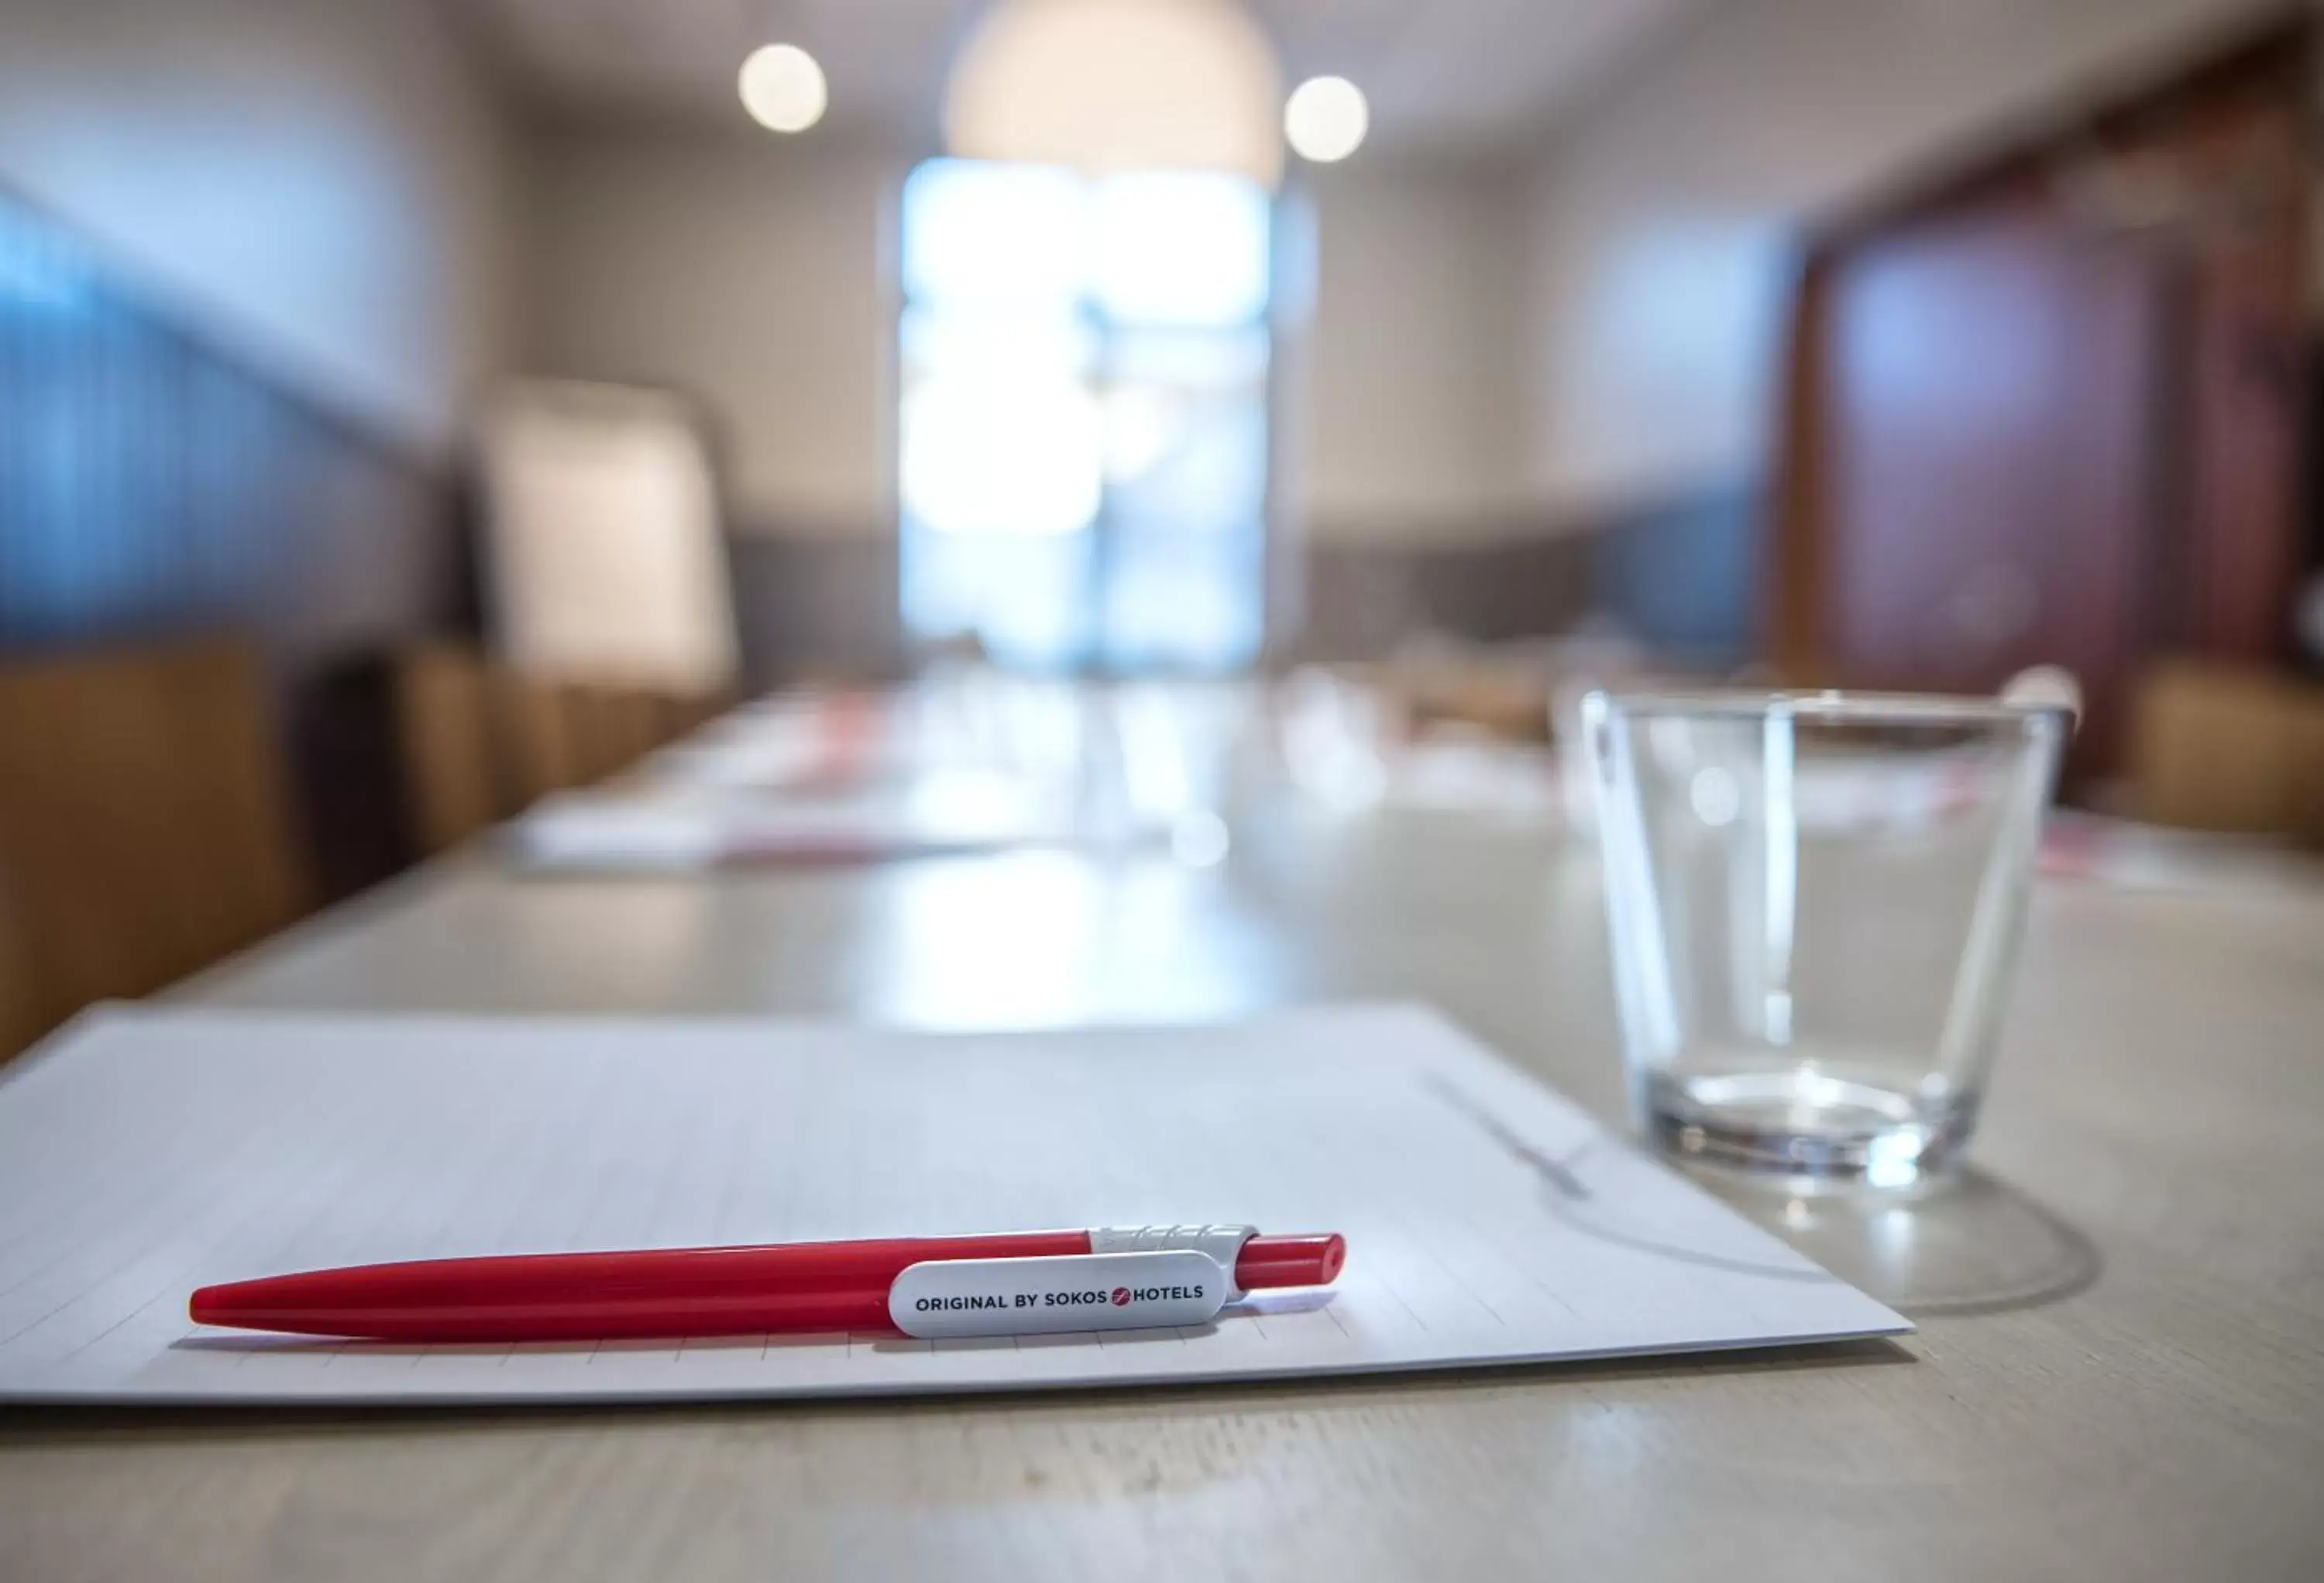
<point>985,451</point>
<point>976,232</point>
<point>783,88</point>
<point>1326,119</point>
<point>1181,247</point>
<point>1082,446</point>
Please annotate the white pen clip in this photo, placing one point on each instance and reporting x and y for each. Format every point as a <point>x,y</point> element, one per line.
<point>1224,1244</point>
<point>1073,1292</point>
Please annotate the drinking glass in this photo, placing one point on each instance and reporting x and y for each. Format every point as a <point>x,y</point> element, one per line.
<point>1816,902</point>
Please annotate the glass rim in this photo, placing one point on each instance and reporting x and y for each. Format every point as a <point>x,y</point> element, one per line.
<point>1844,705</point>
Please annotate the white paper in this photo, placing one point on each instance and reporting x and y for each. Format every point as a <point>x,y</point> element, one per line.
<point>143,1153</point>
<point>657,829</point>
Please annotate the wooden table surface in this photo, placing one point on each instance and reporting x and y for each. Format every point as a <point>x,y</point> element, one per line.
<point>2120,1373</point>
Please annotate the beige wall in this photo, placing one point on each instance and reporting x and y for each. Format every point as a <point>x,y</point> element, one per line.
<point>1663,219</point>
<point>750,272</point>
<point>758,275</point>
<point>322,186</point>
<point>1488,349</point>
<point>1408,429</point>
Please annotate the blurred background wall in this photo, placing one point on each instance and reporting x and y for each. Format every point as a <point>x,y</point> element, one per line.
<point>1571,326</point>
<point>1536,375</point>
<point>333,192</point>
<point>1665,221</point>
<point>1401,380</point>
<point>657,240</point>
<point>255,260</point>
<point>1667,215</point>
<point>260,263</point>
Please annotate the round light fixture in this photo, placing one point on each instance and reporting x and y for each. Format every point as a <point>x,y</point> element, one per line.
<point>783,88</point>
<point>1326,119</point>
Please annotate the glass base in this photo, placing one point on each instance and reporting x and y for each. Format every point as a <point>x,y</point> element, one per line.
<point>1807,1131</point>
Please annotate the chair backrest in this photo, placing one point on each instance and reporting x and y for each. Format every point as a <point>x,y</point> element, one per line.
<point>482,741</point>
<point>683,713</point>
<point>533,741</point>
<point>612,728</point>
<point>444,705</point>
<point>2229,747</point>
<point>146,829</point>
<point>20,1000</point>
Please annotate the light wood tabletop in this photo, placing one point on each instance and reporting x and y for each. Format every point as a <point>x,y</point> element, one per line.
<point>2120,1373</point>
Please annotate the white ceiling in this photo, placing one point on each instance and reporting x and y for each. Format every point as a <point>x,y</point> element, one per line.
<point>1439,73</point>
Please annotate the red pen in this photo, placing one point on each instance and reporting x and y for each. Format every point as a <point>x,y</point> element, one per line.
<point>1020,1283</point>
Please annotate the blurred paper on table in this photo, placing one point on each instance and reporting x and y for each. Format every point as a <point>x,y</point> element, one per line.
<point>677,830</point>
<point>790,742</point>
<point>1349,745</point>
<point>2121,852</point>
<point>1465,774</point>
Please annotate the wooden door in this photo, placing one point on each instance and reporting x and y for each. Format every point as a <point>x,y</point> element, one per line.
<point>1992,399</point>
<point>2049,411</point>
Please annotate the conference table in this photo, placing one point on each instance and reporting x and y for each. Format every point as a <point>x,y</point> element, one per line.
<point>2119,1374</point>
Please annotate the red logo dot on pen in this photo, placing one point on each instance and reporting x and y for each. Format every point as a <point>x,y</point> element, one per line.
<point>1122,1297</point>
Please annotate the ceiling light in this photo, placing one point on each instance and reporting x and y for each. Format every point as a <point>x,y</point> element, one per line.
<point>783,88</point>
<point>1326,119</point>
<point>1118,85</point>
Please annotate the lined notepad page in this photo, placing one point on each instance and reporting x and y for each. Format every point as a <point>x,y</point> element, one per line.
<point>143,1153</point>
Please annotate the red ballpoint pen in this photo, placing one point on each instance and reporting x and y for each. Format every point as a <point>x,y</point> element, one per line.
<point>1019,1281</point>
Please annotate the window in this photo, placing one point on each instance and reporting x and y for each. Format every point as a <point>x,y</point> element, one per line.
<point>1083,439</point>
